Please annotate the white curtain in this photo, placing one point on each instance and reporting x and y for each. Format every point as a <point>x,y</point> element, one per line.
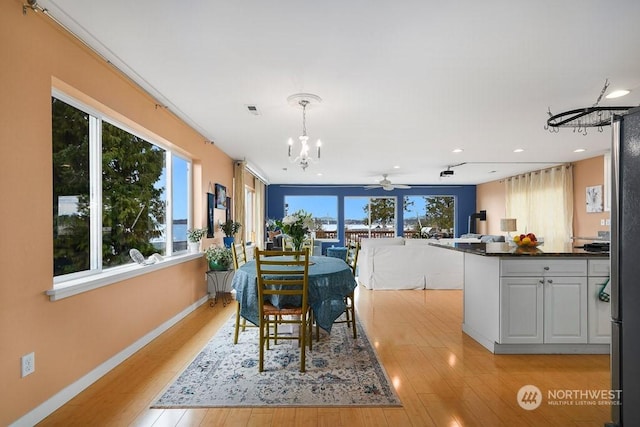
<point>542,203</point>
<point>238,191</point>
<point>258,207</point>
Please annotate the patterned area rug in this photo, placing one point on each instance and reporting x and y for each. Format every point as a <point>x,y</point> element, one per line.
<point>341,371</point>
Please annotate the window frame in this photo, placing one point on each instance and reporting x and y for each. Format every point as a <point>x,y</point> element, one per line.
<point>96,276</point>
<point>369,199</point>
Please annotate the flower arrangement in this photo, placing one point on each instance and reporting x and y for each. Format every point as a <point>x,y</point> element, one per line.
<point>194,235</point>
<point>296,226</point>
<point>218,256</point>
<point>230,227</point>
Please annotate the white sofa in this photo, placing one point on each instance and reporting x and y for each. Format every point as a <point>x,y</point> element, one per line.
<point>400,263</point>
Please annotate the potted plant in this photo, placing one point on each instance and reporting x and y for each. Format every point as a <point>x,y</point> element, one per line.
<point>229,228</point>
<point>219,258</point>
<point>194,236</point>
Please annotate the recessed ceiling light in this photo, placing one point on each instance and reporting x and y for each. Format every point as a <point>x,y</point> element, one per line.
<point>319,174</point>
<point>579,150</point>
<point>396,167</point>
<point>518,150</point>
<point>457,150</point>
<point>617,93</point>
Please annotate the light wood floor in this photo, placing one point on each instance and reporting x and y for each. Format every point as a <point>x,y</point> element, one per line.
<point>442,376</point>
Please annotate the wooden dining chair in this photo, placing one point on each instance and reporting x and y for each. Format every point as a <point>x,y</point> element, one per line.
<point>353,249</point>
<point>284,278</point>
<point>308,243</point>
<point>239,255</point>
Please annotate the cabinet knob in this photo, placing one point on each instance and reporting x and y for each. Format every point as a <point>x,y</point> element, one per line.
<point>549,281</point>
<point>546,268</point>
<point>541,281</point>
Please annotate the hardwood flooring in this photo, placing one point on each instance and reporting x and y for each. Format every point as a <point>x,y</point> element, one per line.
<point>443,377</point>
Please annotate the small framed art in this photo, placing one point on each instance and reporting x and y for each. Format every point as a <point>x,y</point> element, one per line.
<point>221,196</point>
<point>594,198</point>
<point>210,206</point>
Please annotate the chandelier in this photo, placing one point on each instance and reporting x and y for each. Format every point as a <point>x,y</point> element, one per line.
<point>304,158</point>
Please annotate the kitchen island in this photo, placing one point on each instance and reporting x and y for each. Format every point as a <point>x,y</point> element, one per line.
<point>535,301</point>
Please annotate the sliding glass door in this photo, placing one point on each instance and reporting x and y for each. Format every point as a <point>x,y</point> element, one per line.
<point>369,217</point>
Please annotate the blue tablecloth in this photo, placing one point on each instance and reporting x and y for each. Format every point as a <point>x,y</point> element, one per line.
<point>337,252</point>
<point>330,280</point>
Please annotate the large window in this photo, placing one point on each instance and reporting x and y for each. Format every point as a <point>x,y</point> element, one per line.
<point>249,214</point>
<point>369,217</point>
<point>428,216</point>
<point>323,208</point>
<point>111,192</point>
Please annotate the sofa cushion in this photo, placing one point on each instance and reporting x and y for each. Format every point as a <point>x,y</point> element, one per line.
<point>373,243</point>
<point>419,242</point>
<point>491,238</point>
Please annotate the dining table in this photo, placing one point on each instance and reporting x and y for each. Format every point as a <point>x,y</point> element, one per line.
<point>330,280</point>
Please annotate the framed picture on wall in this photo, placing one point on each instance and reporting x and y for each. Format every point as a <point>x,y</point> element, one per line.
<point>210,206</point>
<point>228,217</point>
<point>221,197</point>
<point>594,198</point>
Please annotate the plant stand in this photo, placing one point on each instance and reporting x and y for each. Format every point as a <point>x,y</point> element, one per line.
<point>217,281</point>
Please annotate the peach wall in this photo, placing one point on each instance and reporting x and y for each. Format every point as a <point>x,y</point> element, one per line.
<point>589,172</point>
<point>490,197</point>
<point>73,336</point>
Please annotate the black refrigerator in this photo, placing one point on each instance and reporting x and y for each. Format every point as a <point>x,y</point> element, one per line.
<point>625,268</point>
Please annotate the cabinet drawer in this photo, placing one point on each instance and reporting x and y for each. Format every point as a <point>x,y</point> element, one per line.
<point>546,267</point>
<point>599,267</point>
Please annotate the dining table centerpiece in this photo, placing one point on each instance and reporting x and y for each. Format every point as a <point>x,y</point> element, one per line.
<point>296,226</point>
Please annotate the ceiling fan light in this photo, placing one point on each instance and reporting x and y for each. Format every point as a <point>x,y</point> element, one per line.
<point>618,93</point>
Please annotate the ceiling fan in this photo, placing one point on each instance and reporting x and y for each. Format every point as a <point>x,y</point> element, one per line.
<point>385,184</point>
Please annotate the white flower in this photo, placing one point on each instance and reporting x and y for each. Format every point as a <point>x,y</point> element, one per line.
<point>289,219</point>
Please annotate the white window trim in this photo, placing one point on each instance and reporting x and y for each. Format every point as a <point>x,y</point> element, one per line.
<point>114,275</point>
<point>95,277</point>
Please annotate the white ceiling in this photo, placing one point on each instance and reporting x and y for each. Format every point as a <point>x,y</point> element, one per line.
<point>402,83</point>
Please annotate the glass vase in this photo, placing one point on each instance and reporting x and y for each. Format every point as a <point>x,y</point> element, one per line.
<point>297,246</point>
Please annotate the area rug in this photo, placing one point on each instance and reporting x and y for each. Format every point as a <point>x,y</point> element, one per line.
<point>341,371</point>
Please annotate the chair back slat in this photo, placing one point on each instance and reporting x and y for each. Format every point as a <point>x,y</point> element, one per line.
<point>239,254</point>
<point>353,249</point>
<point>279,273</point>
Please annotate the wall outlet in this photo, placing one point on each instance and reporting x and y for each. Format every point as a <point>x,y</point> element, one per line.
<point>607,222</point>
<point>602,222</point>
<point>28,364</point>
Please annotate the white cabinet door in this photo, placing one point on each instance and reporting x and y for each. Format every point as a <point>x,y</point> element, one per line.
<point>521,310</point>
<point>599,313</point>
<point>565,310</point>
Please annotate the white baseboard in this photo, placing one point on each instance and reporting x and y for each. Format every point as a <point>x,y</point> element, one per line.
<point>45,409</point>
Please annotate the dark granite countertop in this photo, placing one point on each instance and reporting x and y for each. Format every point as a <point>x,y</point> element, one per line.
<point>507,250</point>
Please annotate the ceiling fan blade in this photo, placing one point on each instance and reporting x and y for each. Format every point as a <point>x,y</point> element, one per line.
<point>370,187</point>
<point>402,186</point>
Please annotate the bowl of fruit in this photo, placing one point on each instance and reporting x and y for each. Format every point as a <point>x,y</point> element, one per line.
<point>528,240</point>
